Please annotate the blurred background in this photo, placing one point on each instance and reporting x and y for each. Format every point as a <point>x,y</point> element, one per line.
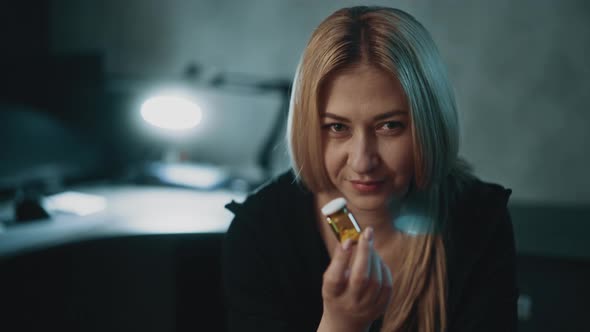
<point>111,217</point>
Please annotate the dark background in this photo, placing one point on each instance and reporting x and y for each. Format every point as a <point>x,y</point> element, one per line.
<point>59,69</point>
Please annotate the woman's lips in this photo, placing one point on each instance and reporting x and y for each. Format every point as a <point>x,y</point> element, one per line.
<point>367,186</point>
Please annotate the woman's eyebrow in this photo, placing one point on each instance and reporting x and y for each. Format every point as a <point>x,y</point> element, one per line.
<point>390,114</point>
<point>334,116</point>
<point>382,116</point>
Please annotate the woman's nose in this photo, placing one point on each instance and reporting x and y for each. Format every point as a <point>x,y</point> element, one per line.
<point>363,156</point>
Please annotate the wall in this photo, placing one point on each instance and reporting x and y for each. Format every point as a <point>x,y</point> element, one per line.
<point>519,68</point>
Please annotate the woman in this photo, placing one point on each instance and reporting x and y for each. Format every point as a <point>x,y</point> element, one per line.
<point>372,119</point>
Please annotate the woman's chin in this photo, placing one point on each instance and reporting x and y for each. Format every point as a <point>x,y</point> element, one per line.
<point>367,203</point>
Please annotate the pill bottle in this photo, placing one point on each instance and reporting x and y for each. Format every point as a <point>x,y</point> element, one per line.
<point>341,220</point>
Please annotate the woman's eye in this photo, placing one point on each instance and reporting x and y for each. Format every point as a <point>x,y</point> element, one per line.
<point>336,127</point>
<point>391,125</point>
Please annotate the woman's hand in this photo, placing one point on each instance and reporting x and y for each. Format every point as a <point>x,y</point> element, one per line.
<point>357,293</point>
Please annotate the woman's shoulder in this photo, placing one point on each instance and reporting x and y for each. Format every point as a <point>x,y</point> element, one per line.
<point>273,199</point>
<point>279,187</point>
<point>478,207</point>
<point>478,194</point>
<point>487,194</point>
<point>268,223</point>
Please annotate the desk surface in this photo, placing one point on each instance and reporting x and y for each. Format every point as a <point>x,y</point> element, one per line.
<point>128,210</point>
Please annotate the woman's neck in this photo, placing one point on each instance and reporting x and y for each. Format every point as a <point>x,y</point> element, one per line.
<point>381,221</point>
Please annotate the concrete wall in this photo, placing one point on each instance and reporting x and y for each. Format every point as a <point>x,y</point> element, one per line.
<point>519,68</point>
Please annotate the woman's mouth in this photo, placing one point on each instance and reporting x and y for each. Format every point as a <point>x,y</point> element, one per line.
<point>367,186</point>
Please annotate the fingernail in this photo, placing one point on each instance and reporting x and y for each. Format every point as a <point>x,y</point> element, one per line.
<point>369,233</point>
<point>346,245</point>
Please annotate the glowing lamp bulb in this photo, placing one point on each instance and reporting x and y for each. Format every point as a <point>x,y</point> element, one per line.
<point>170,112</point>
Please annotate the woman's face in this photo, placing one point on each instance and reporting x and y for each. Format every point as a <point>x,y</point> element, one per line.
<point>367,137</point>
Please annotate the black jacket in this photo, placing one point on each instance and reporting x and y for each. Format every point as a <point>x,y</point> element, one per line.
<point>274,259</point>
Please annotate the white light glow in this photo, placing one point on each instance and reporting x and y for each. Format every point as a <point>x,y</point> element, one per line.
<point>190,175</point>
<point>171,112</point>
<point>171,210</point>
<point>75,203</point>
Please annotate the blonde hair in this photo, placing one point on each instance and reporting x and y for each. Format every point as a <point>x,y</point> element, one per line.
<point>395,42</point>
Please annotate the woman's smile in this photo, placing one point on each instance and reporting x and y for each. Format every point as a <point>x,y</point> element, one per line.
<point>367,187</point>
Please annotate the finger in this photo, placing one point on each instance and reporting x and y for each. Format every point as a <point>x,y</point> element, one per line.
<point>361,267</point>
<point>386,291</point>
<point>336,275</point>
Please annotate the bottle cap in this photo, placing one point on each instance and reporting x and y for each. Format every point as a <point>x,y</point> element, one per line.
<point>333,206</point>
